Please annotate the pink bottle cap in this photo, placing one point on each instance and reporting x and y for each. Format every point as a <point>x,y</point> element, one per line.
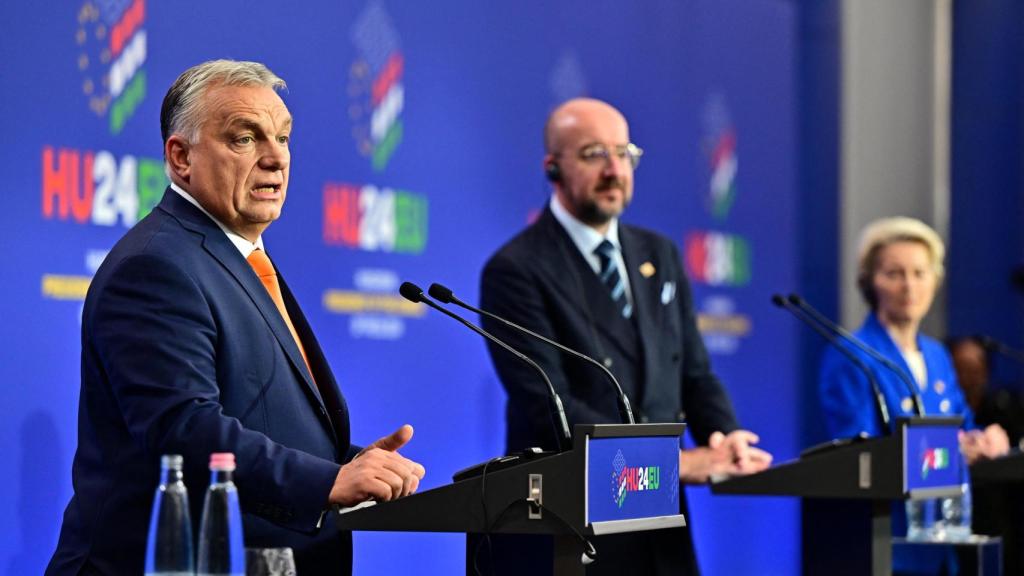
<point>223,461</point>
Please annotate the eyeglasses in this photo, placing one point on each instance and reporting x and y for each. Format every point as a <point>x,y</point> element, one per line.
<point>601,154</point>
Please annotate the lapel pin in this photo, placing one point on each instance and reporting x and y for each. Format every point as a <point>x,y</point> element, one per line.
<point>647,270</point>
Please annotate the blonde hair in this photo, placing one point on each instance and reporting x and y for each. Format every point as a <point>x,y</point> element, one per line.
<point>886,231</point>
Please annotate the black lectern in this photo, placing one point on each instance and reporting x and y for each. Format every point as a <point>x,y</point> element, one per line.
<point>1008,469</point>
<point>616,478</point>
<point>920,460</point>
<point>998,487</point>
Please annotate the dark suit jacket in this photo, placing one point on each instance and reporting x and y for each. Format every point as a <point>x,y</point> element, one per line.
<point>184,352</point>
<point>540,280</point>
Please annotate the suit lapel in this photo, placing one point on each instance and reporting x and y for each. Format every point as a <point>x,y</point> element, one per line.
<point>336,407</point>
<point>594,303</point>
<point>217,244</point>
<point>646,289</point>
<point>648,309</point>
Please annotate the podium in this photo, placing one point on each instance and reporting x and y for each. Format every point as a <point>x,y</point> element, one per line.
<point>616,478</point>
<point>1004,470</point>
<point>998,494</point>
<point>859,479</point>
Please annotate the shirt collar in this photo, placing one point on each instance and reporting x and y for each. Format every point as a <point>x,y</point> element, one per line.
<point>585,237</point>
<point>243,245</point>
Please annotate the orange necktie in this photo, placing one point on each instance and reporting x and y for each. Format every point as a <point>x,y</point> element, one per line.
<point>268,276</point>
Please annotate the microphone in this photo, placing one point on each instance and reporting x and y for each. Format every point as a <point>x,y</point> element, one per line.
<point>414,293</point>
<point>993,345</point>
<point>850,338</point>
<point>444,295</point>
<point>883,410</point>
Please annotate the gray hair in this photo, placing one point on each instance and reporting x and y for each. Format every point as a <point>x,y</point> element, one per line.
<point>183,108</point>
<point>886,231</point>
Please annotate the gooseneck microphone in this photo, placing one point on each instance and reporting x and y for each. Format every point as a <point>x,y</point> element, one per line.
<point>838,330</point>
<point>444,295</point>
<point>993,345</point>
<point>883,410</point>
<point>414,293</point>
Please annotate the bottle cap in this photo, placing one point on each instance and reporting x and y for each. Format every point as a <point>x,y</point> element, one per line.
<point>222,461</point>
<point>172,461</point>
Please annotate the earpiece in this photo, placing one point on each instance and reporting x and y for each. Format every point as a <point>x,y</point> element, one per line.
<point>553,172</point>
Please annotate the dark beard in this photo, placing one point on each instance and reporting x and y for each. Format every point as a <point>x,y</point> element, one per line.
<point>592,214</point>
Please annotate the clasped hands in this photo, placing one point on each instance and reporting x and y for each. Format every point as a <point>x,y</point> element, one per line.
<point>725,454</point>
<point>986,444</point>
<point>378,472</point>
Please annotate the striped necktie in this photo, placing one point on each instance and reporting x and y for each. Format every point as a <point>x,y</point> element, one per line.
<point>611,277</point>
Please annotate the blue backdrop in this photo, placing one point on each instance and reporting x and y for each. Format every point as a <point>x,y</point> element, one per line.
<point>416,153</point>
<point>987,178</point>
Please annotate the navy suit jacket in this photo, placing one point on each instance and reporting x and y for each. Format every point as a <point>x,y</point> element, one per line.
<point>540,280</point>
<point>184,352</point>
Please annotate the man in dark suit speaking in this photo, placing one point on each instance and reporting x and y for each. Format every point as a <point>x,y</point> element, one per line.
<point>616,293</point>
<point>192,344</point>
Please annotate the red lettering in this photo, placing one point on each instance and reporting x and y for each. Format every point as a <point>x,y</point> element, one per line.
<point>81,196</point>
<point>66,186</point>
<point>341,214</point>
<point>697,256</point>
<point>58,182</point>
<point>333,214</point>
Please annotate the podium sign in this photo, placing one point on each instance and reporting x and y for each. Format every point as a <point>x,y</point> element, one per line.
<point>616,478</point>
<point>631,478</point>
<point>932,460</point>
<point>850,486</point>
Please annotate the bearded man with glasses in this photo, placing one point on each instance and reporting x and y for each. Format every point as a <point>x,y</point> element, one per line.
<point>616,293</point>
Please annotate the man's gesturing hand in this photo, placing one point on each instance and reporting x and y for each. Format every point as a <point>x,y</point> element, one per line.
<point>378,472</point>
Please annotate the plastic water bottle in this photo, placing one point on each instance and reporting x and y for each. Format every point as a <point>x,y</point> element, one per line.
<point>955,512</point>
<point>920,519</point>
<point>169,545</point>
<point>221,546</point>
<point>956,516</point>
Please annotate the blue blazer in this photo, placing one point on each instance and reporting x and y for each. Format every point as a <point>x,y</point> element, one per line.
<point>184,352</point>
<point>849,402</point>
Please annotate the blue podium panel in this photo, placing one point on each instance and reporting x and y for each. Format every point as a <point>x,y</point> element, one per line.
<point>932,460</point>
<point>631,478</point>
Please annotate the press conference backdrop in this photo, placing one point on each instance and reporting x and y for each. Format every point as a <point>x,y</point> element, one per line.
<point>416,153</point>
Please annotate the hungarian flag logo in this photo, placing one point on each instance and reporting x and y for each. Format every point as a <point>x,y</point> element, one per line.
<point>934,459</point>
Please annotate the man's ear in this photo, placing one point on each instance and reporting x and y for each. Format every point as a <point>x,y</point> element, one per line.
<point>176,152</point>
